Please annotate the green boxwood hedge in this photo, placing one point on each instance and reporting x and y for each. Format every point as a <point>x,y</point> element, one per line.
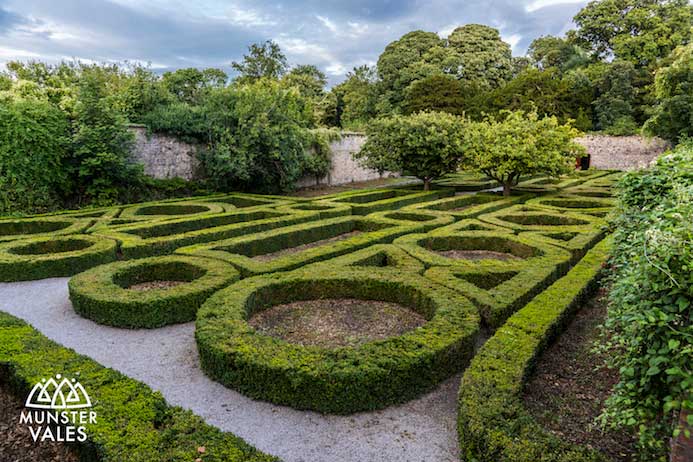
<point>468,205</point>
<point>525,218</point>
<point>530,252</point>
<point>384,257</point>
<point>134,423</point>
<point>103,295</point>
<point>163,237</point>
<point>587,205</point>
<point>493,424</point>
<point>172,209</point>
<point>385,199</point>
<point>240,251</point>
<point>339,380</point>
<point>48,257</point>
<point>21,228</point>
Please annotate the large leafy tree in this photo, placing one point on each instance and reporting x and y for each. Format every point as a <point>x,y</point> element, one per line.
<point>308,79</point>
<point>673,115</point>
<point>639,31</point>
<point>550,51</point>
<point>485,59</point>
<point>439,92</point>
<point>428,145</point>
<point>190,85</point>
<point>520,144</point>
<point>264,60</point>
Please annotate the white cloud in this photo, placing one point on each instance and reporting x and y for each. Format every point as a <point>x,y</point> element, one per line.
<point>336,69</point>
<point>513,40</point>
<point>328,24</point>
<point>299,47</point>
<point>539,4</point>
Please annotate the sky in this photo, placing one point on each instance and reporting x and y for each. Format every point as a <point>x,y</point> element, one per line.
<point>334,35</point>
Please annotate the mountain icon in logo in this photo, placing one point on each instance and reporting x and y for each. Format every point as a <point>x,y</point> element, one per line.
<point>55,393</point>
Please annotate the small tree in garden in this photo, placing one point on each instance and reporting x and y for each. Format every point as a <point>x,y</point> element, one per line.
<point>520,144</point>
<point>428,145</point>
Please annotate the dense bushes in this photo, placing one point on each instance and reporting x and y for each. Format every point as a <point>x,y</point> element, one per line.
<point>649,318</point>
<point>340,380</point>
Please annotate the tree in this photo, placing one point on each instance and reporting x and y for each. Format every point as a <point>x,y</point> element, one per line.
<point>441,93</point>
<point>519,145</point>
<point>616,105</point>
<point>264,60</point>
<point>673,115</point>
<point>189,85</point>
<point>308,79</point>
<point>639,31</point>
<point>102,144</point>
<point>550,51</point>
<point>427,145</point>
<point>484,59</point>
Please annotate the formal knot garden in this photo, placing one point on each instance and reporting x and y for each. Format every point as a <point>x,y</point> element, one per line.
<point>351,304</point>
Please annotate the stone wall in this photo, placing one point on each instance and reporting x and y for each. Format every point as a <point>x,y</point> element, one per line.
<point>622,152</point>
<point>164,156</point>
<point>344,168</point>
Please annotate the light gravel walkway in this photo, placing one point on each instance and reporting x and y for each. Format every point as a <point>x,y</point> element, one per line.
<point>166,360</point>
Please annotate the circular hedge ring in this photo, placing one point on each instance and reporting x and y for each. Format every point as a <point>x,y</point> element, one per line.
<point>148,293</point>
<point>338,380</point>
<point>171,210</point>
<point>49,257</point>
<point>23,228</point>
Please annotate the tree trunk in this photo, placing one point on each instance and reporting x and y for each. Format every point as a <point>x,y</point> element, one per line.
<point>506,189</point>
<point>427,184</point>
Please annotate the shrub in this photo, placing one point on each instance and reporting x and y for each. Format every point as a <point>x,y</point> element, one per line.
<point>54,256</point>
<point>341,380</point>
<point>104,295</point>
<point>649,318</point>
<point>493,425</point>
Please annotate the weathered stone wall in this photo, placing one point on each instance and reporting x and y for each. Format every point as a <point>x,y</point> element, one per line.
<point>344,168</point>
<point>164,156</point>
<point>622,152</point>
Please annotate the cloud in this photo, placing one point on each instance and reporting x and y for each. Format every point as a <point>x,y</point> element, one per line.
<point>332,34</point>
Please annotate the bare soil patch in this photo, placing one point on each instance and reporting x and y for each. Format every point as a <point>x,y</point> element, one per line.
<point>569,388</point>
<point>16,443</point>
<point>151,285</point>
<point>476,255</point>
<point>300,248</point>
<point>332,323</point>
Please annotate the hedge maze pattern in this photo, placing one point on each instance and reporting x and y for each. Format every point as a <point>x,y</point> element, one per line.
<point>464,261</point>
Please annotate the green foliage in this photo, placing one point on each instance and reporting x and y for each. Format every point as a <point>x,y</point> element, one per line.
<point>441,93</point>
<point>649,319</point>
<point>190,85</point>
<point>49,257</point>
<point>639,31</point>
<point>103,294</point>
<point>100,161</point>
<point>519,145</point>
<point>263,61</point>
<point>673,114</point>
<point>134,423</point>
<point>34,145</point>
<point>342,380</point>
<point>428,145</point>
<point>549,51</point>
<point>485,60</point>
<point>616,104</point>
<point>308,79</point>
<point>493,424</point>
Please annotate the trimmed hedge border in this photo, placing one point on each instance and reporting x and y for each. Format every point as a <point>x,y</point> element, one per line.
<point>241,250</point>
<point>385,199</point>
<point>134,423</point>
<point>532,252</point>
<point>493,424</point>
<point>474,204</point>
<point>172,210</point>
<point>574,203</point>
<point>23,228</point>
<point>384,257</point>
<point>49,257</point>
<point>102,293</point>
<point>524,218</point>
<point>340,380</point>
<point>163,237</point>
<point>426,220</point>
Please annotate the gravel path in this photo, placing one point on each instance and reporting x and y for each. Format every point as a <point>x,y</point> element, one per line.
<point>166,359</point>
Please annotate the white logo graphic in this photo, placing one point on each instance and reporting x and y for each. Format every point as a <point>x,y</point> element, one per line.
<point>51,394</point>
<point>56,411</point>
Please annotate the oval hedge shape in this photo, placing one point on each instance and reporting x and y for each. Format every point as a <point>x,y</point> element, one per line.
<point>104,295</point>
<point>41,227</point>
<point>339,380</point>
<point>172,209</point>
<point>48,257</point>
